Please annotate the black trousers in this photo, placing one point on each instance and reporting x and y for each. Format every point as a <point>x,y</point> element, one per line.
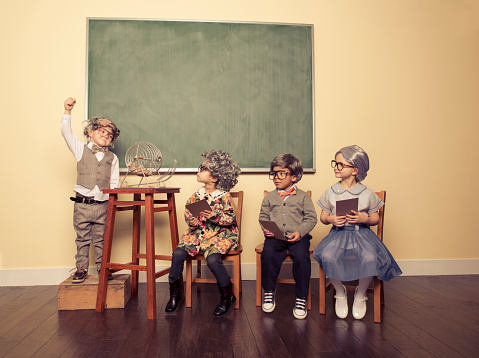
<point>272,257</point>
<point>213,261</point>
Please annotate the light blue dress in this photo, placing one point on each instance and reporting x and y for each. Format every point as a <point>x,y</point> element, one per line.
<point>352,252</point>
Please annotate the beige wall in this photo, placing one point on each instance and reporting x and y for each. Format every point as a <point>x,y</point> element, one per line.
<point>399,78</point>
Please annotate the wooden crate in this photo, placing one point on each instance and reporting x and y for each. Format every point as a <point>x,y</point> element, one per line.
<point>82,296</point>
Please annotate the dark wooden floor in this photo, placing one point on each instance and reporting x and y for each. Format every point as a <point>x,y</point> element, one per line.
<point>424,316</point>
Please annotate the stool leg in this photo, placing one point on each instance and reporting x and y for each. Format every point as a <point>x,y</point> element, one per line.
<point>108,236</point>
<point>173,221</point>
<point>150,256</point>
<point>135,249</point>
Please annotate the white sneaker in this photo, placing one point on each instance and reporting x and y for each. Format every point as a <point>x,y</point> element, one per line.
<point>299,310</point>
<point>341,306</point>
<point>268,301</point>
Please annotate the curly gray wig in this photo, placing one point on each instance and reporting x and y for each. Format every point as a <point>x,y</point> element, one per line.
<point>290,162</point>
<point>356,156</point>
<point>97,122</point>
<point>222,167</point>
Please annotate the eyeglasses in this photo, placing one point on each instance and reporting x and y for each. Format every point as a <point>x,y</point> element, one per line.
<point>281,174</point>
<point>202,168</point>
<point>339,165</point>
<point>103,132</point>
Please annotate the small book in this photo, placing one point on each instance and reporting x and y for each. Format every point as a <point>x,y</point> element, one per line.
<point>344,207</point>
<point>197,207</point>
<point>271,226</point>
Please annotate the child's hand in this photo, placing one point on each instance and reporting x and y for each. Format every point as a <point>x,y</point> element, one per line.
<point>194,222</point>
<point>337,220</point>
<point>357,218</point>
<point>206,214</point>
<point>69,104</point>
<point>268,233</point>
<point>294,237</point>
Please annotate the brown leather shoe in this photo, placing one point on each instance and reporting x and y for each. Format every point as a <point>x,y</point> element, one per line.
<point>79,276</point>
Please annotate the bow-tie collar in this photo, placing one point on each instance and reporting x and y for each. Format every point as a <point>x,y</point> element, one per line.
<point>285,193</point>
<point>95,149</point>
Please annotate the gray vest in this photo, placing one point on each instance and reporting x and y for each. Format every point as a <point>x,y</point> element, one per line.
<point>91,172</point>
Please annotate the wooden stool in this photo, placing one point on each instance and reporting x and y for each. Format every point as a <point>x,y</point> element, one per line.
<point>148,202</point>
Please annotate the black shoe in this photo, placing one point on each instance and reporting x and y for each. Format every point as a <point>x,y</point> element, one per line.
<point>176,296</point>
<point>226,300</point>
<point>79,276</point>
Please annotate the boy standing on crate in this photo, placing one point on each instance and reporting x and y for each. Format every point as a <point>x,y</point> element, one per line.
<point>98,169</point>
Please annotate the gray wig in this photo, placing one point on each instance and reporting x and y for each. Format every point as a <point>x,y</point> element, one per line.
<point>221,166</point>
<point>95,123</point>
<point>290,162</point>
<point>356,156</point>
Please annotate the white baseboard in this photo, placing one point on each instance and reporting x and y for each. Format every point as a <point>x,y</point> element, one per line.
<point>54,276</point>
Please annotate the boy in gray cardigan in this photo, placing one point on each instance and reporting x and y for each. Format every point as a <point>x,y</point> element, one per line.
<point>293,212</point>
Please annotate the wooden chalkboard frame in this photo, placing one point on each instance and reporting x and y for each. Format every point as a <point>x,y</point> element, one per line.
<point>284,137</point>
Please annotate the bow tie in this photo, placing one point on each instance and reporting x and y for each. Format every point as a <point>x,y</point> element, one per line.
<point>95,149</point>
<point>285,194</point>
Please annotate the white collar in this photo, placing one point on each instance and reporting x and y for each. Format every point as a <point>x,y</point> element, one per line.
<point>355,190</point>
<point>201,192</point>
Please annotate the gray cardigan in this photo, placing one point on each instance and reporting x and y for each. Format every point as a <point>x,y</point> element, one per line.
<point>296,213</point>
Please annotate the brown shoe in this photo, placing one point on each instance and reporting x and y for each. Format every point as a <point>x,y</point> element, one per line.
<point>79,276</point>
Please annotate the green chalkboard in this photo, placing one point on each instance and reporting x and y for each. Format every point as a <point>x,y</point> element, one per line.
<point>245,88</point>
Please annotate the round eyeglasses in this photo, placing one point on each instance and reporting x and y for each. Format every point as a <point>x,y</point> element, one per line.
<point>339,165</point>
<point>281,174</point>
<point>202,168</point>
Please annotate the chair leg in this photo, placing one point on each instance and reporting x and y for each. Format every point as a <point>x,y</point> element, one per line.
<point>240,277</point>
<point>377,300</point>
<point>322,291</point>
<point>188,282</point>
<point>237,280</point>
<point>258,279</point>
<point>382,293</point>
<point>198,275</point>
<point>308,300</point>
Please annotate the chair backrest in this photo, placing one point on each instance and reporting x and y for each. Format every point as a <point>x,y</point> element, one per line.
<point>379,230</point>
<point>239,210</point>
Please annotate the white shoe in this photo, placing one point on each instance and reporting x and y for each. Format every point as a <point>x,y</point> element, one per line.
<point>268,301</point>
<point>359,306</point>
<point>341,305</point>
<point>299,310</point>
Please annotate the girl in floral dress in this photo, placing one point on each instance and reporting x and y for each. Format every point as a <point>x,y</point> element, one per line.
<point>214,232</point>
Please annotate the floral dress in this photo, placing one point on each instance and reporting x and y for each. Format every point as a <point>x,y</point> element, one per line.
<point>216,235</point>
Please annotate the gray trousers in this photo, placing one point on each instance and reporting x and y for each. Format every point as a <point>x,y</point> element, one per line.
<point>89,223</point>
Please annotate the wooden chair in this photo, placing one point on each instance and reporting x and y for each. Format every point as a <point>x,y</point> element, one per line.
<point>259,249</point>
<point>233,255</point>
<point>377,289</point>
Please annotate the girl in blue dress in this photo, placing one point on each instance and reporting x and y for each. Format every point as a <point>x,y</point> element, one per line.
<point>352,251</point>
